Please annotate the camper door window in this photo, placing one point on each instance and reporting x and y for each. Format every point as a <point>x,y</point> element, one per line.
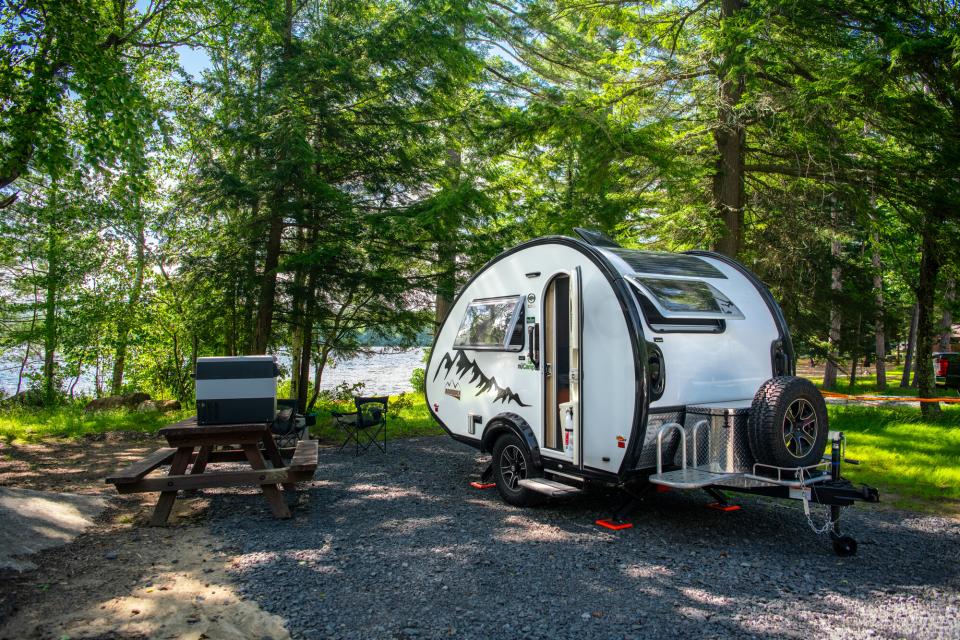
<point>491,324</point>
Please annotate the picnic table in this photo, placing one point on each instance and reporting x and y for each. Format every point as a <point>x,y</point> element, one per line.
<point>196,446</point>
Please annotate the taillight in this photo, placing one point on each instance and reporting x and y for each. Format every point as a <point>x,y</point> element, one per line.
<point>942,367</point>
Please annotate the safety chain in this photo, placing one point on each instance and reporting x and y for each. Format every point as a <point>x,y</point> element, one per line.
<point>828,524</point>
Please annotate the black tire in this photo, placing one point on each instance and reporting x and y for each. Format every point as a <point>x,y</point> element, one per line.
<point>511,462</point>
<point>788,423</point>
<point>844,546</point>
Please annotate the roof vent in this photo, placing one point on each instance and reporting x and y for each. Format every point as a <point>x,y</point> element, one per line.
<point>595,238</point>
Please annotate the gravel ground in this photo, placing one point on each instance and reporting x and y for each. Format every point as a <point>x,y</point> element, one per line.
<point>400,546</point>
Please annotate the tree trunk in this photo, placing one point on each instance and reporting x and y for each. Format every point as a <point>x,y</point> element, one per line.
<point>73,385</point>
<point>268,287</point>
<point>33,327</point>
<point>51,333</point>
<point>250,290</point>
<point>911,347</point>
<point>830,370</point>
<point>855,356</point>
<point>305,352</point>
<point>318,368</point>
<point>730,138</point>
<point>448,226</point>
<point>297,318</point>
<point>230,337</point>
<point>306,345</point>
<point>344,315</point>
<point>268,282</point>
<point>879,334</point>
<point>446,280</point>
<point>946,322</point>
<point>926,290</point>
<point>126,318</point>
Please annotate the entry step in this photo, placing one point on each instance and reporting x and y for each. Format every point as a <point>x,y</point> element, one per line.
<point>691,478</point>
<point>548,487</point>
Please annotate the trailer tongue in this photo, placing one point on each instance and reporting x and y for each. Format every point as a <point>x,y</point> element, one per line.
<point>821,483</point>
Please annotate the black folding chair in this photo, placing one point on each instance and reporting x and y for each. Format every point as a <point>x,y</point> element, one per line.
<point>364,426</point>
<point>288,427</point>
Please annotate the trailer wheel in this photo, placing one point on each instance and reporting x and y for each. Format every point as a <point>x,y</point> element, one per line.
<point>844,546</point>
<point>788,423</point>
<point>511,463</point>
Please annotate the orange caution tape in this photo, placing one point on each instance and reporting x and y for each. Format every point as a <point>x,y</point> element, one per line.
<point>844,396</point>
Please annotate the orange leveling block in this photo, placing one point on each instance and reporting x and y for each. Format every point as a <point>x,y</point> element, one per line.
<point>719,506</point>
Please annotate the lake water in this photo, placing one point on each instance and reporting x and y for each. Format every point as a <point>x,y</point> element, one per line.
<point>386,371</point>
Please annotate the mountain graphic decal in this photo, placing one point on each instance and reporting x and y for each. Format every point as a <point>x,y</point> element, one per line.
<point>464,366</point>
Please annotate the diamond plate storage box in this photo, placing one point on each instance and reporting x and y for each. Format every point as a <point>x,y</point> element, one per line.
<point>236,389</point>
<point>722,444</point>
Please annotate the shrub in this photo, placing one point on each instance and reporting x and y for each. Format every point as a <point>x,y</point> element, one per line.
<point>418,379</point>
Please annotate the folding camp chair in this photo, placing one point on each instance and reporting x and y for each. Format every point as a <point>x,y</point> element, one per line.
<point>364,426</point>
<point>288,427</point>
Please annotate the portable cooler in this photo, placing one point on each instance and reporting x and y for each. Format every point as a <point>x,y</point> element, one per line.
<point>236,389</point>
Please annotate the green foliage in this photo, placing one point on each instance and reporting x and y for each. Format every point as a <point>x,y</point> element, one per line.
<point>73,78</point>
<point>418,379</point>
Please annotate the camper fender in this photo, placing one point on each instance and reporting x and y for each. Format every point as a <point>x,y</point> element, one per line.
<point>511,423</point>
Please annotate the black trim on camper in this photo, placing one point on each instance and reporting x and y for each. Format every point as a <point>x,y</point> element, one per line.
<point>634,328</point>
<point>659,324</point>
<point>565,467</point>
<point>509,422</point>
<point>775,310</point>
<point>666,264</point>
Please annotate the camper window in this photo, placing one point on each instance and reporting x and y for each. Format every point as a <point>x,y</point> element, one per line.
<point>491,324</point>
<point>676,298</point>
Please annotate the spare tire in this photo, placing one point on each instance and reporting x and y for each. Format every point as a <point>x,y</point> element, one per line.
<point>788,423</point>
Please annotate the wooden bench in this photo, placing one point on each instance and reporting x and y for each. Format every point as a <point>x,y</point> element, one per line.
<point>243,443</point>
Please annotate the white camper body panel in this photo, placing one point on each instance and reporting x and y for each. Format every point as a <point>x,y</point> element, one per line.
<point>716,367</point>
<point>466,388</point>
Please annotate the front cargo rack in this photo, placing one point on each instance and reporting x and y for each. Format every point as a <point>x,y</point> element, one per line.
<point>697,477</point>
<point>820,483</point>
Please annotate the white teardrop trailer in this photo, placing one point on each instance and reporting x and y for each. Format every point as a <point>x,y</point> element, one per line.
<point>576,361</point>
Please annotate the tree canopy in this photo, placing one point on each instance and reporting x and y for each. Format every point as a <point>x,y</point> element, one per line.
<point>340,167</point>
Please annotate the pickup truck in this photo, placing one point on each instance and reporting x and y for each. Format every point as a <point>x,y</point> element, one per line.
<point>947,369</point>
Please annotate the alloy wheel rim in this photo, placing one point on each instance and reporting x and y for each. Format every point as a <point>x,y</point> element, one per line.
<point>800,428</point>
<point>513,466</point>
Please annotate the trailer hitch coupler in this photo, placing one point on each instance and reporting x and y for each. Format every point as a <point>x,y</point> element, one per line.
<point>836,455</point>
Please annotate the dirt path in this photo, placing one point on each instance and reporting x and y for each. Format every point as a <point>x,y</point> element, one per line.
<point>121,579</point>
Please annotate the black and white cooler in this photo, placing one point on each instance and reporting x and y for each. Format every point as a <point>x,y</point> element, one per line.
<point>236,389</point>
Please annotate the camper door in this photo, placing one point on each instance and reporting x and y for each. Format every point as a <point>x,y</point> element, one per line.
<point>563,316</point>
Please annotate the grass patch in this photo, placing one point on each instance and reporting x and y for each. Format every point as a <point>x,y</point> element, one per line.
<point>407,417</point>
<point>25,424</point>
<point>868,387</point>
<point>914,460</point>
